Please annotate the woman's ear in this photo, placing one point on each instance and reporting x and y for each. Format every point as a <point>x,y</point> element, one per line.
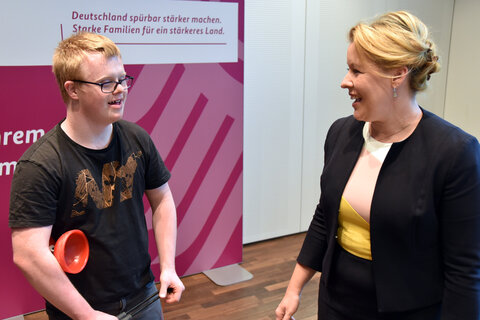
<point>399,76</point>
<point>71,89</point>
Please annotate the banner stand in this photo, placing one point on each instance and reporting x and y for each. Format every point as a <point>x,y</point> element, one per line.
<point>187,58</point>
<point>228,275</point>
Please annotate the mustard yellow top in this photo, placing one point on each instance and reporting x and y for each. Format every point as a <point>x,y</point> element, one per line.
<point>354,214</point>
<point>353,231</point>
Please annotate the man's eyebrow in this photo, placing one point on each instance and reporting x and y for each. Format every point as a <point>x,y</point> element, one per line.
<point>112,78</point>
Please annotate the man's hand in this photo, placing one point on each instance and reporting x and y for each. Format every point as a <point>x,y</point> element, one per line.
<point>97,315</point>
<point>171,287</point>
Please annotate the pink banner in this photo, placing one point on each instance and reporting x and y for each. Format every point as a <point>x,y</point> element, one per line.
<point>194,113</point>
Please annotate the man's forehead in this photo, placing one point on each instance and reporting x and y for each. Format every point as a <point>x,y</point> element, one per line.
<point>96,64</point>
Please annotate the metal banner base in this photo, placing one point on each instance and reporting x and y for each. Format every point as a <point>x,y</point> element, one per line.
<point>228,275</point>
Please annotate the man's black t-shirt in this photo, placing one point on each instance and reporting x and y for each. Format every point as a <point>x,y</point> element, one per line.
<point>58,182</point>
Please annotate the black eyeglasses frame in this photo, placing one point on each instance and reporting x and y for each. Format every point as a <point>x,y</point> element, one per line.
<point>102,84</point>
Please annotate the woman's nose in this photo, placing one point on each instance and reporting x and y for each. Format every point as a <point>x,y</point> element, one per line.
<point>346,82</point>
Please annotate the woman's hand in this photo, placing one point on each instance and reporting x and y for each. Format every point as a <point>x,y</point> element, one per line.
<point>290,302</point>
<point>287,307</point>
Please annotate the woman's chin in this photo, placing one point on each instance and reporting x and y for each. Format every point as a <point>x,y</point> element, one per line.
<point>357,115</point>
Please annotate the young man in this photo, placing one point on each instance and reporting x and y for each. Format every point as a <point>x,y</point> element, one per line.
<point>90,172</point>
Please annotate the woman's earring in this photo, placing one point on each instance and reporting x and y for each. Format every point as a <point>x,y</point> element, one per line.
<point>395,92</point>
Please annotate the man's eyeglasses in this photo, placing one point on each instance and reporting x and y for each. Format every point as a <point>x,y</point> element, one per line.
<point>111,86</point>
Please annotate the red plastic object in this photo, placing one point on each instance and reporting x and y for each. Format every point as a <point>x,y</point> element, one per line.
<point>72,250</point>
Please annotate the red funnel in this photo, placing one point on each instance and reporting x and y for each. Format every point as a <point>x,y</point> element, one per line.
<point>72,250</point>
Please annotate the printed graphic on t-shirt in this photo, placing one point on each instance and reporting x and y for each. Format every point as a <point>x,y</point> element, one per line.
<point>103,198</point>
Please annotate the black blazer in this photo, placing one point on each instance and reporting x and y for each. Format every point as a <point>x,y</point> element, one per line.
<point>424,220</point>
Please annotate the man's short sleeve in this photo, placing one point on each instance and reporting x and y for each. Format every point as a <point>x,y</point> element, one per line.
<point>33,197</point>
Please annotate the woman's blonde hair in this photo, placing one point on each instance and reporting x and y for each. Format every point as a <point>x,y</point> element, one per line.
<point>398,39</point>
<point>71,52</point>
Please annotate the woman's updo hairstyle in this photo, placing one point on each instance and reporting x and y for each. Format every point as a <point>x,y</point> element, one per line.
<point>398,39</point>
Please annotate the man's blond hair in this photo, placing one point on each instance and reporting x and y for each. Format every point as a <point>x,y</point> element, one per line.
<point>70,54</point>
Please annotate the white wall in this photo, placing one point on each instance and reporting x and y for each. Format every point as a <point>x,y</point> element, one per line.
<point>461,105</point>
<point>273,116</point>
<point>294,62</point>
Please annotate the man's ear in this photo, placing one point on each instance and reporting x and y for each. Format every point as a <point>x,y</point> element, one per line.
<point>71,89</point>
<point>399,76</point>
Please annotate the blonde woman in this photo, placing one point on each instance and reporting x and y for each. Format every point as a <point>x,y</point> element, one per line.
<point>396,232</point>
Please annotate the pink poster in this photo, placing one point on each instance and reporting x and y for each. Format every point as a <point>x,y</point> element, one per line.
<point>193,110</point>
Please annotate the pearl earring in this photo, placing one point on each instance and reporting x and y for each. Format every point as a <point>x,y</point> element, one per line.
<point>395,92</point>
